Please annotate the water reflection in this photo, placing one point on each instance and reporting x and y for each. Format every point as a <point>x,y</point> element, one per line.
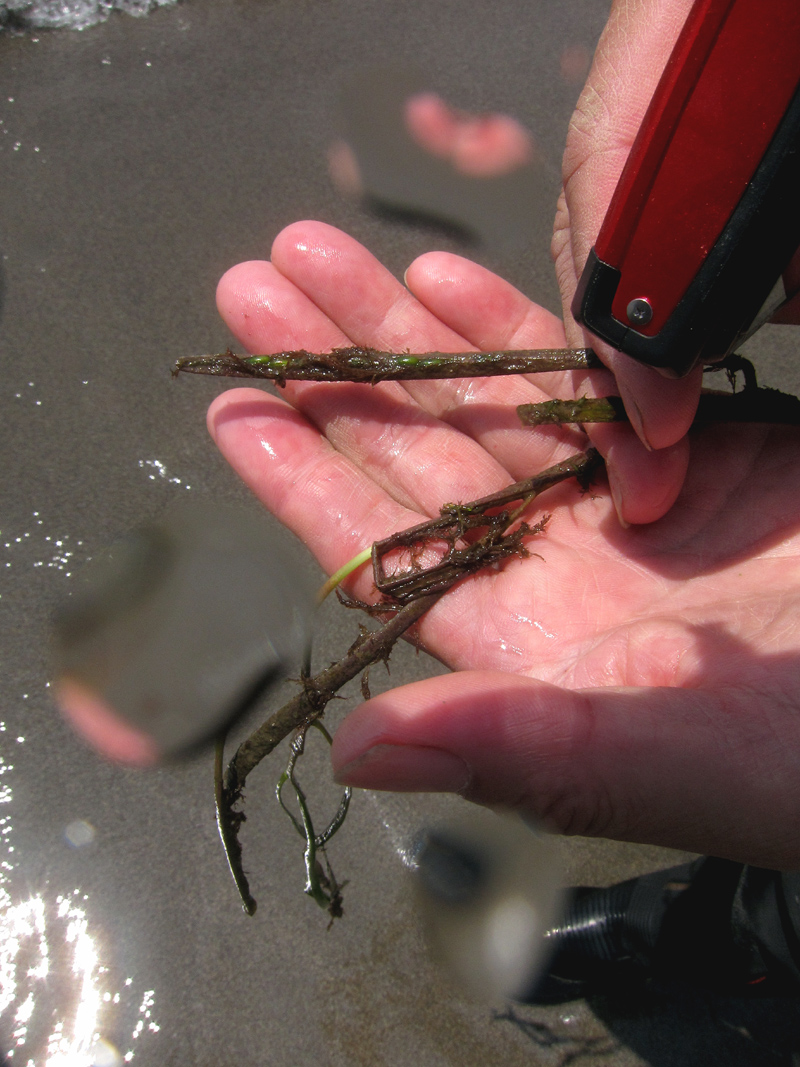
<point>58,1001</point>
<point>159,470</point>
<point>56,551</point>
<point>398,829</point>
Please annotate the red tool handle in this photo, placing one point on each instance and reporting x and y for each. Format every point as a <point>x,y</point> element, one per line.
<point>683,253</point>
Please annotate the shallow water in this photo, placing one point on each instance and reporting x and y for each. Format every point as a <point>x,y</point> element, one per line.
<point>60,991</point>
<point>144,156</point>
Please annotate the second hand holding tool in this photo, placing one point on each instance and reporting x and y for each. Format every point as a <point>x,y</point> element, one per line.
<point>706,215</point>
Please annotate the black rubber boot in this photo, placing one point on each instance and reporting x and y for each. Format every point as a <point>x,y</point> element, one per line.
<point>683,924</point>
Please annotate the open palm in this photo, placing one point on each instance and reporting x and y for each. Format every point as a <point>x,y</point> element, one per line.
<point>638,683</point>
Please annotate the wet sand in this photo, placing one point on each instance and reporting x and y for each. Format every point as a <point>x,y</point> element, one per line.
<point>140,159</point>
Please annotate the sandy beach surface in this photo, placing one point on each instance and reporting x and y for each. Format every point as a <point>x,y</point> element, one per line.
<point>139,159</point>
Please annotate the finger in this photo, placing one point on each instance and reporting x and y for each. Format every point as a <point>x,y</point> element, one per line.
<point>661,409</point>
<point>491,314</point>
<point>645,481</point>
<point>347,284</point>
<point>267,313</point>
<point>644,484</point>
<point>479,305</point>
<point>368,304</point>
<point>410,454</point>
<point>332,506</point>
<point>606,120</point>
<point>675,767</point>
<point>628,62</point>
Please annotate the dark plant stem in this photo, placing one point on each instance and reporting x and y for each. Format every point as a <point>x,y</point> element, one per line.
<point>751,405</point>
<point>413,593</point>
<point>228,823</point>
<point>358,363</point>
<point>455,520</point>
<point>300,711</point>
<point>417,589</point>
<point>368,365</point>
<point>585,409</point>
<point>318,691</point>
<point>322,887</point>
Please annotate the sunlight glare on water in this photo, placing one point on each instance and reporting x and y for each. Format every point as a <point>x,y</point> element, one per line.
<point>401,840</point>
<point>56,996</point>
<point>159,470</point>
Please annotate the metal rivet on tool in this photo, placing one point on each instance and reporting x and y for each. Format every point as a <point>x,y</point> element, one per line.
<point>639,311</point>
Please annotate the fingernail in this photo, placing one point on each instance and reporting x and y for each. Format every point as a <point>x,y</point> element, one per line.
<point>406,769</point>
<point>637,420</point>
<point>616,496</point>
<point>635,415</point>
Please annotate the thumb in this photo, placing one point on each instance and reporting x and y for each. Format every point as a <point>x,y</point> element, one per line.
<point>676,767</point>
<point>630,57</point>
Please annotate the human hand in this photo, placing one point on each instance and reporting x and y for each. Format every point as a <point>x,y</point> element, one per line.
<point>628,62</point>
<point>637,683</point>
